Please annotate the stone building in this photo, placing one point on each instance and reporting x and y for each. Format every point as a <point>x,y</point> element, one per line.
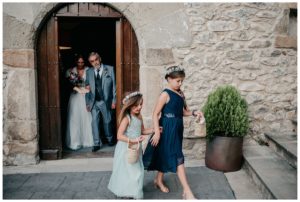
<point>252,46</point>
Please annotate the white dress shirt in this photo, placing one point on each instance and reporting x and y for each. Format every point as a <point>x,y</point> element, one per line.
<point>100,72</point>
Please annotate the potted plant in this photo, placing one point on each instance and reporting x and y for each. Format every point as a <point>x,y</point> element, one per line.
<point>227,122</point>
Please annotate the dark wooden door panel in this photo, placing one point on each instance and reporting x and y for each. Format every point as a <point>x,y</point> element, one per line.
<point>127,68</point>
<point>48,89</point>
<point>88,10</point>
<point>130,58</point>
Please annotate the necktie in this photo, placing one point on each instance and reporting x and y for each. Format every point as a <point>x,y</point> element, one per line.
<point>98,74</point>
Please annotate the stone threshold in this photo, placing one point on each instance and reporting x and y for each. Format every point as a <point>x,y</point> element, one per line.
<point>75,165</point>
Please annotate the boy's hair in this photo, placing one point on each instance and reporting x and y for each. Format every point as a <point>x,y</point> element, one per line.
<point>130,100</point>
<point>174,72</point>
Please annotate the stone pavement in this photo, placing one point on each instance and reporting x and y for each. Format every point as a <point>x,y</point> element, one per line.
<point>206,184</point>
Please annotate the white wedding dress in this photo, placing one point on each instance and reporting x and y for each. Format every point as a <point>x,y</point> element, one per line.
<point>79,121</point>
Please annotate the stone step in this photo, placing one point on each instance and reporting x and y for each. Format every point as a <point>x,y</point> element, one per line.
<point>284,146</point>
<point>242,186</point>
<point>275,178</point>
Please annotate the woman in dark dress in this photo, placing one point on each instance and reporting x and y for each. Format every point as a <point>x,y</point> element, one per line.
<point>165,152</point>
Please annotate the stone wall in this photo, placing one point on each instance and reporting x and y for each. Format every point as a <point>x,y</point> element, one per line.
<point>20,119</point>
<point>249,45</point>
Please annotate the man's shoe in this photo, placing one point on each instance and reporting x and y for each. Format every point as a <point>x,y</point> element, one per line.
<point>111,144</point>
<point>95,148</point>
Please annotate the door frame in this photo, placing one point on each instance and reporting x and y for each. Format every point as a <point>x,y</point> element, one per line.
<point>73,10</point>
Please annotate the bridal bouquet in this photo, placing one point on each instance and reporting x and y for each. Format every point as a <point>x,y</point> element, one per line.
<point>77,81</point>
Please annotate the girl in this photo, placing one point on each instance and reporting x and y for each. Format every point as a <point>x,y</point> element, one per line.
<point>127,179</point>
<point>167,154</point>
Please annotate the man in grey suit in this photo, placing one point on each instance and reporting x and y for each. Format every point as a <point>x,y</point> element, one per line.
<point>100,81</point>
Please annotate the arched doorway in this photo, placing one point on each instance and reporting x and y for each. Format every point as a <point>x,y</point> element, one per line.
<point>79,28</point>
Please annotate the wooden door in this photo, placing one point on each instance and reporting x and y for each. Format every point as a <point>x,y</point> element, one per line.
<point>48,92</point>
<point>127,71</point>
<point>49,106</point>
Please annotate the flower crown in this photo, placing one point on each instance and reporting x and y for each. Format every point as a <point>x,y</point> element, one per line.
<point>172,69</point>
<point>133,94</point>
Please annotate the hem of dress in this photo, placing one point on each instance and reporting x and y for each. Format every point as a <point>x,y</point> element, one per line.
<point>165,171</point>
<point>127,196</point>
<point>123,195</point>
<point>79,147</point>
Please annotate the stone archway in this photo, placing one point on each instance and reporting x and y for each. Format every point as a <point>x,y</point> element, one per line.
<point>154,28</point>
<point>49,71</point>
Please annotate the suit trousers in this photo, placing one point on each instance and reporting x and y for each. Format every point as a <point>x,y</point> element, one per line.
<point>100,107</point>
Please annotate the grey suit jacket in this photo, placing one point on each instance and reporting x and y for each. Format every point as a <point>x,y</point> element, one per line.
<point>108,86</point>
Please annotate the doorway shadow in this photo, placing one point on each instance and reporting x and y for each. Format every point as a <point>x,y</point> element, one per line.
<point>82,36</point>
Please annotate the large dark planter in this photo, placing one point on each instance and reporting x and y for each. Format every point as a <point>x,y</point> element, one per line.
<point>224,153</point>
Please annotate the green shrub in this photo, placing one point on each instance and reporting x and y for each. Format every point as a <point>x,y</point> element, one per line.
<point>226,113</point>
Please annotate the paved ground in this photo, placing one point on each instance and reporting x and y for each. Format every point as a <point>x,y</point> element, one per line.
<point>206,183</point>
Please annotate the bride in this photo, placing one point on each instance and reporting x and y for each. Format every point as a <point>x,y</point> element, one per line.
<point>79,121</point>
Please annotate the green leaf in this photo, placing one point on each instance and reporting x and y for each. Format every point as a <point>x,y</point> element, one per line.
<point>226,113</point>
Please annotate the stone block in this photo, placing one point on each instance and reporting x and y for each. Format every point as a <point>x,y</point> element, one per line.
<point>21,130</point>
<point>292,5</point>
<point>221,26</point>
<point>251,86</point>
<point>159,56</point>
<point>266,14</point>
<point>170,30</point>
<point>269,61</point>
<point>18,147</point>
<point>259,44</point>
<point>120,6</point>
<point>247,75</point>
<point>224,46</point>
<point>25,159</point>
<point>242,35</point>
<point>270,53</point>
<point>21,95</point>
<point>240,55</point>
<point>254,97</point>
<point>278,89</point>
<point>206,38</point>
<point>181,53</point>
<point>261,27</point>
<point>197,20</point>
<point>17,34</point>
<point>19,58</point>
<point>283,23</point>
<point>285,42</point>
<point>193,60</point>
<point>141,14</point>
<point>241,13</point>
<point>154,77</point>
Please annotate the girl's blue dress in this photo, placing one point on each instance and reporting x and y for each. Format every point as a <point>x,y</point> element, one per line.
<point>127,179</point>
<point>167,155</point>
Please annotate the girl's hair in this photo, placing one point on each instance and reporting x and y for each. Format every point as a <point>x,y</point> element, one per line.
<point>174,72</point>
<point>184,100</point>
<point>129,103</point>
